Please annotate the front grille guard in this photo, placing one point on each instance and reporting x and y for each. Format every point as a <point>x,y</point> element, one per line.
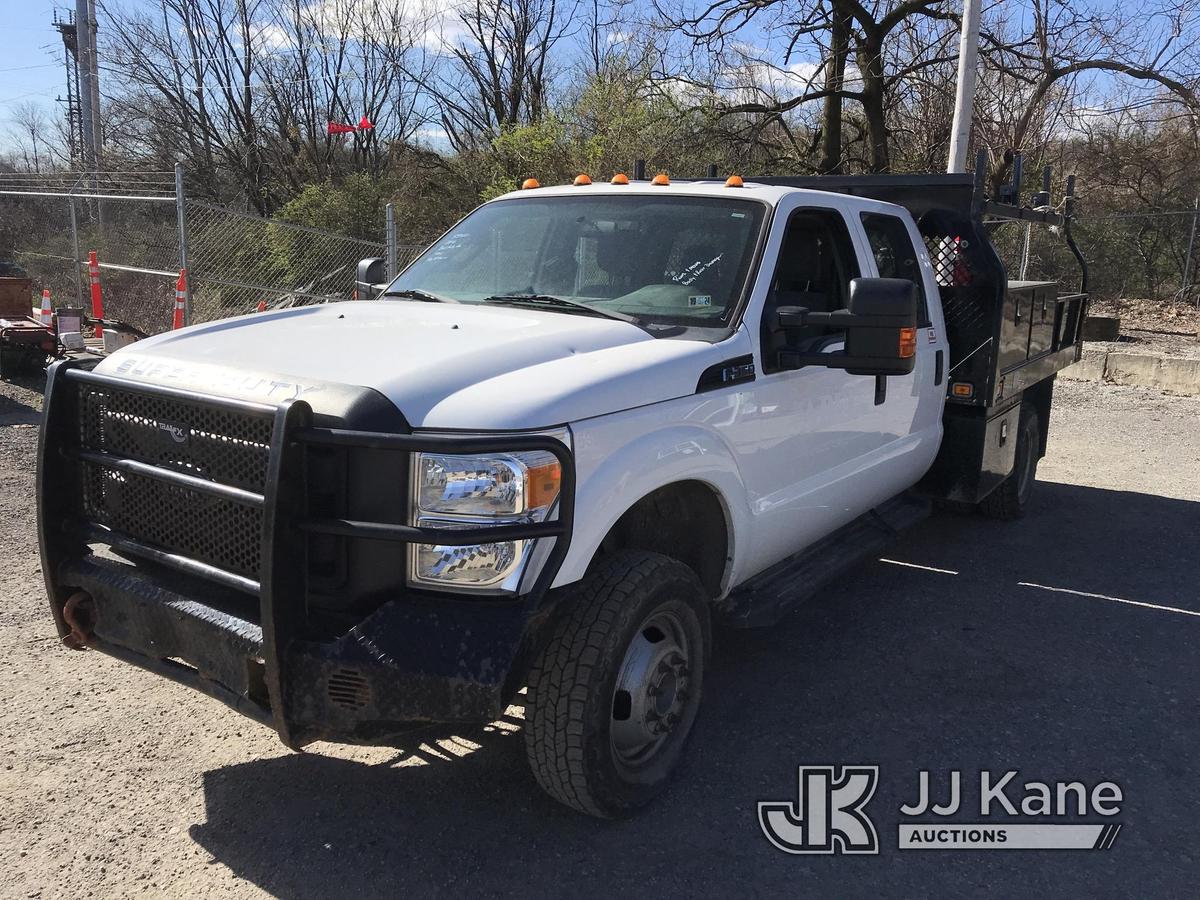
<point>281,586</point>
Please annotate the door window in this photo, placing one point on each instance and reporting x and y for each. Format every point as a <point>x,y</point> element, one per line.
<point>815,266</point>
<point>895,256</point>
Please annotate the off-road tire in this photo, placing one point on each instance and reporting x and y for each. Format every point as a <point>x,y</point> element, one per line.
<point>569,701</point>
<point>1008,501</point>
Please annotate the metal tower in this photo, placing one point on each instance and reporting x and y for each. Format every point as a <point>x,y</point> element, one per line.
<point>70,38</point>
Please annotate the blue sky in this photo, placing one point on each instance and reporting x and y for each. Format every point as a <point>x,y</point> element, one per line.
<point>27,70</point>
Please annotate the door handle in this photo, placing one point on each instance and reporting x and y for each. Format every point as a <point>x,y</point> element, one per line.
<point>937,367</point>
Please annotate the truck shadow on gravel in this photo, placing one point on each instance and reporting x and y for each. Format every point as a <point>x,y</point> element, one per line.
<point>1000,660</point>
<point>19,401</point>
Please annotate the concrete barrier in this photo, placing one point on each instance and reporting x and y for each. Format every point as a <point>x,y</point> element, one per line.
<point>1090,368</point>
<point>1101,328</point>
<point>1132,368</point>
<point>1167,373</point>
<point>1179,375</point>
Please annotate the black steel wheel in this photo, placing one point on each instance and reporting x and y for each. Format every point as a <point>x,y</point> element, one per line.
<point>614,693</point>
<point>1008,501</point>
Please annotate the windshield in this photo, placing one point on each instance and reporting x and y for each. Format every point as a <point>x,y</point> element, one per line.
<point>658,260</point>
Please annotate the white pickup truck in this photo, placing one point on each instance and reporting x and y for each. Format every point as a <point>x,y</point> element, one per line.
<point>583,424</point>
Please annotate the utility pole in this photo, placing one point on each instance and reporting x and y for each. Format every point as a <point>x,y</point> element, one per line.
<point>89,83</point>
<point>964,96</point>
<point>94,62</point>
<point>83,39</point>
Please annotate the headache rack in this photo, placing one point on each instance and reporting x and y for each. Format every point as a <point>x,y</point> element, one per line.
<point>224,492</point>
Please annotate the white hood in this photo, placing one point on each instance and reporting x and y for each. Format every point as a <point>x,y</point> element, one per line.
<point>445,366</point>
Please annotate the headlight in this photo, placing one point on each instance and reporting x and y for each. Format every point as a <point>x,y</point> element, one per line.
<point>458,491</point>
<point>520,485</point>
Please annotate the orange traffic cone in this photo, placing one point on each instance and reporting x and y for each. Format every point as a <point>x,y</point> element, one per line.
<point>46,313</point>
<point>180,300</point>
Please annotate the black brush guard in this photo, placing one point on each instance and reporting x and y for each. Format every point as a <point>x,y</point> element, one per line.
<point>416,658</point>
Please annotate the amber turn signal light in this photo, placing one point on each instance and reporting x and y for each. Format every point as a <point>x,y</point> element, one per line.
<point>962,389</point>
<point>908,342</point>
<point>529,184</point>
<point>542,485</point>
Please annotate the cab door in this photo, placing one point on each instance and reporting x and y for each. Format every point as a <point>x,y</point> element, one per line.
<point>815,448</point>
<point>897,251</point>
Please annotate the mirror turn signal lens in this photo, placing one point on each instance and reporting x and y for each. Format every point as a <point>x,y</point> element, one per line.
<point>908,342</point>
<point>529,184</point>
<point>962,389</point>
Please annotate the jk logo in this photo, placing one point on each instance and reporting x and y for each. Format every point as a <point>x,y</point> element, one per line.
<point>828,815</point>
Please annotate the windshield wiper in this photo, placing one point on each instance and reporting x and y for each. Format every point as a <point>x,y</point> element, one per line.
<point>560,303</point>
<point>418,294</point>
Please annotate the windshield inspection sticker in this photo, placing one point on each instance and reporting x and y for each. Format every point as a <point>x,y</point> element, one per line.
<point>830,814</point>
<point>700,300</point>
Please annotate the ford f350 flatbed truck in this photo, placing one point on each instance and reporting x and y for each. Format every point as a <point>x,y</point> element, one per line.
<point>582,424</point>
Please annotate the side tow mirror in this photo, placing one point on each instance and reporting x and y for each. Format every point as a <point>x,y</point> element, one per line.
<point>880,324</point>
<point>370,278</point>
<point>882,338</point>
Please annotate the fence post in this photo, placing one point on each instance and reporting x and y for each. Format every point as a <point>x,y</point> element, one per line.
<point>181,217</point>
<point>78,261</point>
<point>391,242</point>
<point>1187,265</point>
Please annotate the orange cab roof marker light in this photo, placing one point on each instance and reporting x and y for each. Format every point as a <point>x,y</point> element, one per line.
<point>620,178</point>
<point>581,180</point>
<point>734,181</point>
<point>660,179</point>
<point>529,184</point>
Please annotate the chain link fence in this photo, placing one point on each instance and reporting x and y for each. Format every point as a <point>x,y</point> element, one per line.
<point>237,260</point>
<point>143,230</point>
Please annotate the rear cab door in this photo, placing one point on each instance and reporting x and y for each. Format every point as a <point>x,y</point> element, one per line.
<point>896,250</point>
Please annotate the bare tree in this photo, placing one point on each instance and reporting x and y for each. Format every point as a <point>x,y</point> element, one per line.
<point>36,144</point>
<point>1035,77</point>
<point>838,31</point>
<point>496,67</point>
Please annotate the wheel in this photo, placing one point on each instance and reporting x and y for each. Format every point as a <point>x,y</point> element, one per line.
<point>613,694</point>
<point>1007,502</point>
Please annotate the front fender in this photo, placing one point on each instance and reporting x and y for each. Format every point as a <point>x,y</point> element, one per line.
<point>623,457</point>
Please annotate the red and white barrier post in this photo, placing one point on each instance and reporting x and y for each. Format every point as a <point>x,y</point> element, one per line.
<point>97,299</point>
<point>180,300</point>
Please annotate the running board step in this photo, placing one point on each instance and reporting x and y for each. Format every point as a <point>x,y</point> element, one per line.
<point>768,596</point>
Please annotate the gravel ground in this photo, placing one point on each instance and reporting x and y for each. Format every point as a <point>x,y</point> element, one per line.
<point>117,783</point>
